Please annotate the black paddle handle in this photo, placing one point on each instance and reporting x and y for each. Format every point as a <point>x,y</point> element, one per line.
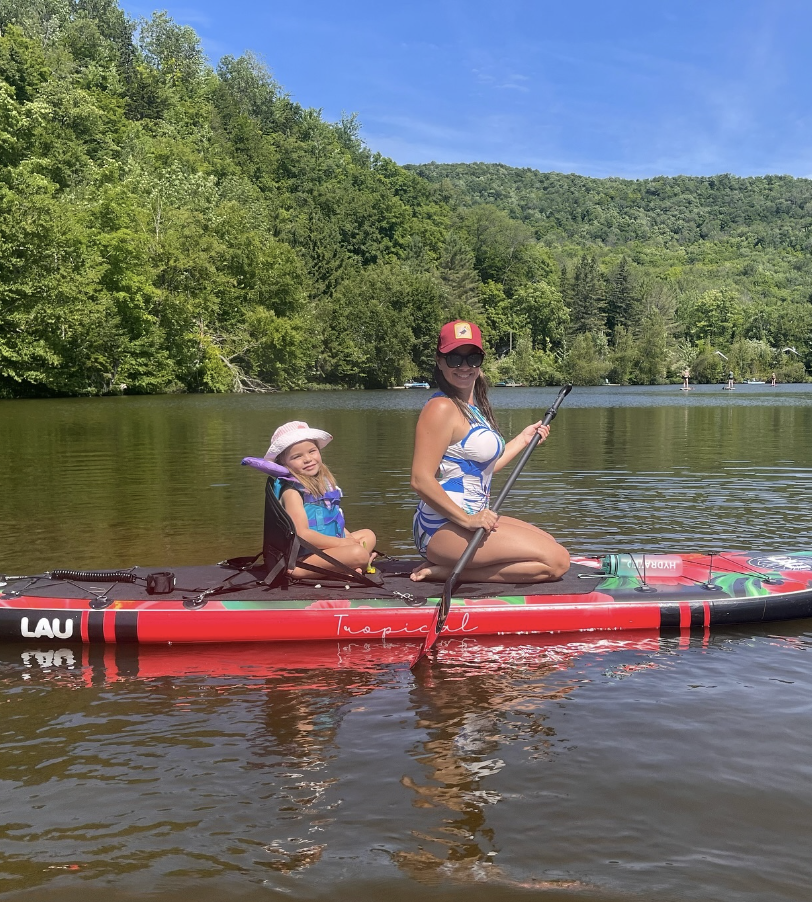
<point>478,535</point>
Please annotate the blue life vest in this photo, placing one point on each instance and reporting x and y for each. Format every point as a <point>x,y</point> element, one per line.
<point>324,512</point>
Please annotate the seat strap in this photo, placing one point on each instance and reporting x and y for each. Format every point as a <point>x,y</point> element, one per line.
<point>274,571</point>
<point>299,548</point>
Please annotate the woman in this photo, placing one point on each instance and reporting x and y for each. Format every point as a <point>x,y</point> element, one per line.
<point>457,450</point>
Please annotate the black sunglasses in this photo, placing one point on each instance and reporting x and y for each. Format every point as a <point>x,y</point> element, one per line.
<point>455,360</point>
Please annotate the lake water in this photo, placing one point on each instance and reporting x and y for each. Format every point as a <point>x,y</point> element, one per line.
<point>584,767</point>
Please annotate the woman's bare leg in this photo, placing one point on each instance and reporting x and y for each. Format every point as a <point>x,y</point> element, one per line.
<point>514,552</point>
<point>517,572</point>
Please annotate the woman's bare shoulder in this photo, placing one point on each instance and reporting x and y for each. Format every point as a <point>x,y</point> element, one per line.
<point>439,406</point>
<point>441,419</point>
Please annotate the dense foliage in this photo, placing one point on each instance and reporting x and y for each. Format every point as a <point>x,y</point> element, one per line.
<point>166,226</point>
<point>661,273</point>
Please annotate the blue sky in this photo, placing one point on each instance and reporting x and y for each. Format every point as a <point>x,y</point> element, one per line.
<point>627,88</point>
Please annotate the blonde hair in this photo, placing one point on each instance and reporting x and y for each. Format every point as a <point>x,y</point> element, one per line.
<point>315,485</point>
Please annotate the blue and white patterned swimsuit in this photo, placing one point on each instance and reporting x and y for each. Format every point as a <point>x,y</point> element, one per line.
<point>465,474</point>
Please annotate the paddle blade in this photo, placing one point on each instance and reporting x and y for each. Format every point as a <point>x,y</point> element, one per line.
<point>432,635</point>
<point>444,605</point>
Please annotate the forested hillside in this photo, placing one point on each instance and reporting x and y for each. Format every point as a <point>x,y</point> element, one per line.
<point>169,226</point>
<point>696,265</point>
<point>165,226</point>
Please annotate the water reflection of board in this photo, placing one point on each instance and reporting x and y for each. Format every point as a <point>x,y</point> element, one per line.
<point>99,664</point>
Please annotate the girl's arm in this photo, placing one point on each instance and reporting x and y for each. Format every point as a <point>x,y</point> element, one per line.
<point>293,504</point>
<point>435,432</point>
<point>522,440</point>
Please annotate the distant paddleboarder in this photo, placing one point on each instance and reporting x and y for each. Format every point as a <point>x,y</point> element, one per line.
<point>686,375</point>
<point>730,381</point>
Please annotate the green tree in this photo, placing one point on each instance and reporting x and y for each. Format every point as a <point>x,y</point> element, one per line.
<point>652,348</point>
<point>623,356</point>
<point>23,66</point>
<point>283,350</point>
<point>501,245</point>
<point>622,299</point>
<point>749,358</point>
<point>586,361</point>
<point>588,293</point>
<point>172,50</point>
<point>542,308</point>
<point>460,280</point>
<point>713,317</point>
<point>381,327</point>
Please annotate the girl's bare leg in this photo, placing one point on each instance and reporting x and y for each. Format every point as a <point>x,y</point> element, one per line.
<point>354,556</point>
<point>366,539</point>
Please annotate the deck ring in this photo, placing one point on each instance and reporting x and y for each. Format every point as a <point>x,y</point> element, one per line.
<point>100,602</point>
<point>410,600</point>
<point>194,604</point>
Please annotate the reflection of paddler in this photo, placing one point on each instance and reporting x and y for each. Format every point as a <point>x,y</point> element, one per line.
<point>305,709</point>
<point>465,722</point>
<point>303,712</point>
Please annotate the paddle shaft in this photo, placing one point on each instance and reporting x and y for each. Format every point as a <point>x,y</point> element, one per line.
<point>462,563</point>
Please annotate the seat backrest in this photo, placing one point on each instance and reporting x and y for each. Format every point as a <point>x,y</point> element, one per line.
<point>279,533</point>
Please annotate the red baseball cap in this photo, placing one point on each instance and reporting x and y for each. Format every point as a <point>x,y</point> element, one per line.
<point>459,333</point>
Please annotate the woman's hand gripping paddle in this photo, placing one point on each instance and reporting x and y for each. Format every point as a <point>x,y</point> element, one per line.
<point>444,605</point>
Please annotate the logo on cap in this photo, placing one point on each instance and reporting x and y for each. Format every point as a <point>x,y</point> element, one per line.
<point>463,330</point>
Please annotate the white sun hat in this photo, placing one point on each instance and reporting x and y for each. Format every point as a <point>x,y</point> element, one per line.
<point>291,433</point>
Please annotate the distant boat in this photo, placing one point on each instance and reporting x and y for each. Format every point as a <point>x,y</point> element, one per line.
<point>754,382</point>
<point>509,383</point>
<point>416,385</point>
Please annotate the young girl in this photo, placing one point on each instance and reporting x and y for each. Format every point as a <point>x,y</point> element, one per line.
<point>311,498</point>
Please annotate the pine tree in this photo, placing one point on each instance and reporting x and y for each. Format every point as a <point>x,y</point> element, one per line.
<point>460,279</point>
<point>587,313</point>
<point>622,301</point>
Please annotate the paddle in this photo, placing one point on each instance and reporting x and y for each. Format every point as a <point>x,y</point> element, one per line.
<point>444,604</point>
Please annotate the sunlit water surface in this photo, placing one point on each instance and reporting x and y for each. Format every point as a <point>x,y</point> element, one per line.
<point>584,767</point>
